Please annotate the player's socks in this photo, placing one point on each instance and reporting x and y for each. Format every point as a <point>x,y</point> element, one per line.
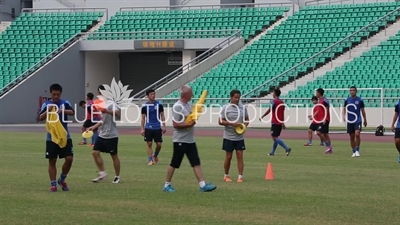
<point>167,184</point>
<point>53,183</point>
<point>62,178</point>
<point>150,158</point>
<point>202,184</point>
<point>281,143</point>
<point>84,140</point>
<point>310,142</point>
<point>357,149</point>
<point>156,154</point>
<point>354,150</point>
<point>328,144</point>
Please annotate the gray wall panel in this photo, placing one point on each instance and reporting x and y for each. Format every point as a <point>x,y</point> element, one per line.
<point>21,105</point>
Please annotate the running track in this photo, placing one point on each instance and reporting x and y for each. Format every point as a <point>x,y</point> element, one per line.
<point>212,132</point>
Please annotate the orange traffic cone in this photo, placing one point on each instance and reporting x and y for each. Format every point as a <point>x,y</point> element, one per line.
<point>269,174</point>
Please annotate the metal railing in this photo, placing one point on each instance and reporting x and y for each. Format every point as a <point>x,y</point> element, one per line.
<point>66,3</point>
<point>237,5</point>
<point>174,34</point>
<point>335,2</point>
<point>265,101</point>
<point>174,74</point>
<point>184,2</point>
<point>39,64</point>
<point>311,61</point>
<point>82,9</point>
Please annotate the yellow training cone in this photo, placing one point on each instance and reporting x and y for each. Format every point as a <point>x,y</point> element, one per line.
<point>241,128</point>
<point>87,134</point>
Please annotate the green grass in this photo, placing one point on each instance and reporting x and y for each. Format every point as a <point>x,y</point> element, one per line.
<point>310,187</point>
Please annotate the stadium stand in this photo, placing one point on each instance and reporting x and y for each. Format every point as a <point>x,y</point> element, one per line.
<point>33,36</point>
<point>374,69</point>
<point>302,35</point>
<point>250,20</point>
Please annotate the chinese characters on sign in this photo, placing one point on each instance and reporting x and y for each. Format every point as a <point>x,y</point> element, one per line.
<point>158,44</point>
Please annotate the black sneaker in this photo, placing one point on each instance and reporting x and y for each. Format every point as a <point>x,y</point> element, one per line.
<point>288,151</point>
<point>270,154</point>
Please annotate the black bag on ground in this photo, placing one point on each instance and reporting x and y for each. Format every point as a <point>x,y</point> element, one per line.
<point>380,131</point>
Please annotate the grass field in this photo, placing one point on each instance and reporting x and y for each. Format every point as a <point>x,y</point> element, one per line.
<point>310,187</point>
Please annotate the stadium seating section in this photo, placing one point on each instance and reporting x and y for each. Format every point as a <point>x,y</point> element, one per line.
<point>249,20</point>
<point>302,35</point>
<point>374,69</point>
<point>32,36</point>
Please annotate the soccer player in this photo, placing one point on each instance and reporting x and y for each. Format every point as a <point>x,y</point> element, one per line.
<point>313,126</point>
<point>153,125</point>
<point>107,141</point>
<point>322,117</point>
<point>353,108</point>
<point>52,149</point>
<point>277,122</point>
<point>232,115</point>
<point>91,118</point>
<point>184,143</point>
<point>396,128</point>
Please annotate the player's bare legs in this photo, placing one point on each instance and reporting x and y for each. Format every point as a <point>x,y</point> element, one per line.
<point>397,143</point>
<point>117,168</point>
<point>352,141</point>
<point>227,166</point>
<point>170,174</point>
<point>150,152</point>
<point>67,165</point>
<point>83,142</point>
<point>100,166</point>
<point>198,172</point>
<point>157,151</point>
<point>240,165</point>
<point>52,169</point>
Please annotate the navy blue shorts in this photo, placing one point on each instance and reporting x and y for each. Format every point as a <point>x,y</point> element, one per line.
<point>397,133</point>
<point>353,127</point>
<point>230,146</point>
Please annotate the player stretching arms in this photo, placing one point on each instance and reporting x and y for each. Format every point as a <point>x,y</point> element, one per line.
<point>313,126</point>
<point>396,128</point>
<point>52,149</point>
<point>353,108</point>
<point>151,128</point>
<point>323,117</point>
<point>232,115</point>
<point>107,141</point>
<point>277,122</point>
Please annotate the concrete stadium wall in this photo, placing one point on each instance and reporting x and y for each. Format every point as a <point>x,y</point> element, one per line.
<point>5,10</point>
<point>298,117</point>
<point>21,105</point>
<point>100,68</point>
<point>127,45</point>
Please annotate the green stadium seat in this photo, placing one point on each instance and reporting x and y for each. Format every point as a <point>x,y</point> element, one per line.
<point>374,69</point>
<point>249,20</point>
<point>32,36</point>
<point>307,32</point>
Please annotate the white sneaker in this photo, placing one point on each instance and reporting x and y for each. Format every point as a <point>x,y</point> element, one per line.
<point>357,154</point>
<point>100,178</point>
<point>354,155</point>
<point>116,180</point>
